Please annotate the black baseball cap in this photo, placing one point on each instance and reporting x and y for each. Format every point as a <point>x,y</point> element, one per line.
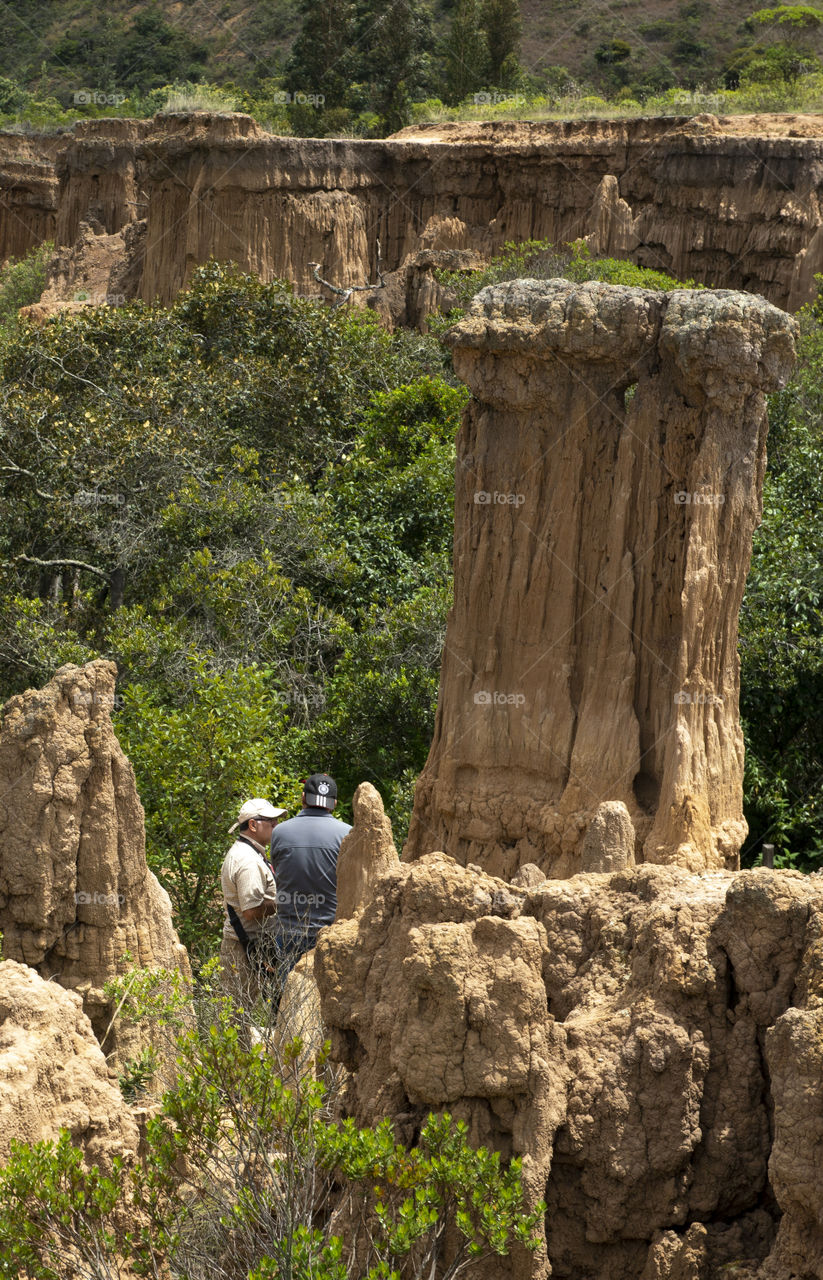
<point>321,791</point>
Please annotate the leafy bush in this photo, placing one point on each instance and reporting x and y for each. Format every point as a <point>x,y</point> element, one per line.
<point>781,623</point>
<point>22,282</point>
<point>245,1176</point>
<point>540,260</point>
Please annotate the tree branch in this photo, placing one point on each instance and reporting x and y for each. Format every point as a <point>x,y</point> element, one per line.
<point>23,471</point>
<point>345,294</point>
<point>60,564</point>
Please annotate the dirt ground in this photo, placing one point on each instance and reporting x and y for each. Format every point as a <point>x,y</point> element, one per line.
<point>789,125</point>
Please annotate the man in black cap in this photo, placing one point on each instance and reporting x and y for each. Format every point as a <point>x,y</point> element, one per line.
<point>304,860</point>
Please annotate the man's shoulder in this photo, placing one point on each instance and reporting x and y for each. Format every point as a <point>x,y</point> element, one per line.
<point>306,826</point>
<point>233,851</point>
<point>283,828</point>
<point>240,852</point>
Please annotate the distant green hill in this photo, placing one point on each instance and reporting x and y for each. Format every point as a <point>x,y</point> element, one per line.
<point>60,47</point>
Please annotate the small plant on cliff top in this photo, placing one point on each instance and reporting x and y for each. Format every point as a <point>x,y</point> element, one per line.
<point>540,260</point>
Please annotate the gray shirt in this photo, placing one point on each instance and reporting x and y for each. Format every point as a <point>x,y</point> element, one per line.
<point>304,857</point>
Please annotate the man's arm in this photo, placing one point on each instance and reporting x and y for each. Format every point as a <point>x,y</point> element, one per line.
<point>266,908</point>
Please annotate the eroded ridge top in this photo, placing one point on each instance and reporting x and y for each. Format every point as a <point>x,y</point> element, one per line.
<point>597,321</point>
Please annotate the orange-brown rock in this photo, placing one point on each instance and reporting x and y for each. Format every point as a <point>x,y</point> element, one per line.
<point>730,204</point>
<point>366,852</point>
<point>76,894</point>
<point>53,1074</point>
<point>28,192</point>
<point>610,839</point>
<point>609,473</point>
<point>610,1030</point>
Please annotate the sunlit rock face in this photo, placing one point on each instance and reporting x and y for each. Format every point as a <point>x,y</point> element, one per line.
<point>608,483</point>
<point>77,900</point>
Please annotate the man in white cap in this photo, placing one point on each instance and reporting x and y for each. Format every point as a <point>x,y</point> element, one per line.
<point>251,901</point>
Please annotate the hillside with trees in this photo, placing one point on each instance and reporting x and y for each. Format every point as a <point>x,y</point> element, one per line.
<point>368,69</point>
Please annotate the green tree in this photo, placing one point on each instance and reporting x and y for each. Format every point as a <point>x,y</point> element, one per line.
<point>781,623</point>
<point>394,44</point>
<point>466,55</point>
<point>12,97</point>
<point>154,53</point>
<point>792,51</point>
<point>322,58</point>
<point>22,283</point>
<point>502,27</point>
<point>234,498</point>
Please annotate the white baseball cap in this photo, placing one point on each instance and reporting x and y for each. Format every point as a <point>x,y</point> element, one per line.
<point>256,809</point>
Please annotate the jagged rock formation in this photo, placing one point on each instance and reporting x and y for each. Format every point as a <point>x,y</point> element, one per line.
<point>75,892</point>
<point>609,474</point>
<point>28,192</point>
<point>731,204</point>
<point>649,1042</point>
<point>366,852</point>
<point>610,839</point>
<point>98,270</point>
<point>53,1074</point>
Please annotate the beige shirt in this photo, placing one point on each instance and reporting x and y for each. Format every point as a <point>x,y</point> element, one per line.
<point>246,879</point>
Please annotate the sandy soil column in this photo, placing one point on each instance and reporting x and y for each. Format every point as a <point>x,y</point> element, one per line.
<point>608,485</point>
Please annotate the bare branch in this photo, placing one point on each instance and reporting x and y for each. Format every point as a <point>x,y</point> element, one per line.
<point>345,294</point>
<point>23,471</point>
<point>59,564</point>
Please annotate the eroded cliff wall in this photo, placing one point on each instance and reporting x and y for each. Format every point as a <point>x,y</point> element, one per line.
<point>692,197</point>
<point>649,1042</point>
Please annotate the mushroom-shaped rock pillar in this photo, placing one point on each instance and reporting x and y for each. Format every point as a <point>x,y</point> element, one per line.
<point>609,475</point>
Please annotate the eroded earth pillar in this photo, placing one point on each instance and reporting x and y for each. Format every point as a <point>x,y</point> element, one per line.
<point>609,477</point>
